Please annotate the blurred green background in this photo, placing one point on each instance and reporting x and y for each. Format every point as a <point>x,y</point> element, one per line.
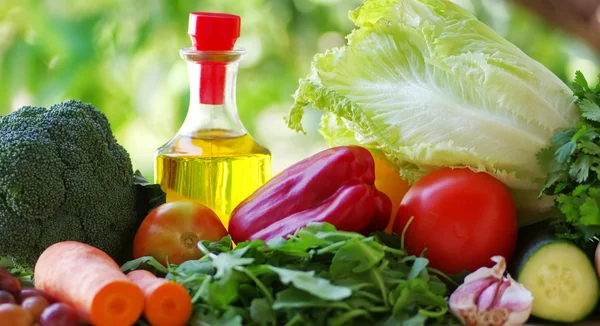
<point>122,56</point>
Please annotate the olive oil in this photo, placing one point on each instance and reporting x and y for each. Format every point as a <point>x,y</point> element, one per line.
<point>213,168</point>
<point>212,159</point>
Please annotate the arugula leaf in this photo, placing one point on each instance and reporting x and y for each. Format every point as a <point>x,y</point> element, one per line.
<point>195,267</point>
<point>294,298</point>
<point>221,293</point>
<point>317,276</point>
<point>262,312</point>
<point>229,318</point>
<point>190,271</point>
<point>307,281</point>
<point>223,245</point>
<point>225,262</point>
<point>418,266</point>
<point>147,261</point>
<point>355,257</point>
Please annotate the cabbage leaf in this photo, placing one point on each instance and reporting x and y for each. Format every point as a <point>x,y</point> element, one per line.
<point>429,85</point>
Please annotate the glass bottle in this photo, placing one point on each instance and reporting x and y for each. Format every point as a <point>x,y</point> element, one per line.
<point>212,159</point>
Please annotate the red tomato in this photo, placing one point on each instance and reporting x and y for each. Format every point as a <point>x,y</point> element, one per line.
<point>174,229</point>
<point>461,217</point>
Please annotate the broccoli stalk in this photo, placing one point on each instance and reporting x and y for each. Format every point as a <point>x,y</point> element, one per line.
<point>63,176</point>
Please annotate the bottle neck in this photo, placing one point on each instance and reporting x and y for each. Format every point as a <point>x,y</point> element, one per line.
<point>212,106</point>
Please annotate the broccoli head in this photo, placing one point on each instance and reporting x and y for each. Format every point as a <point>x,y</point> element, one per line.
<point>63,176</point>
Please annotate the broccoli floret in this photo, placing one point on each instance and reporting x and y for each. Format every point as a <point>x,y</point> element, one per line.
<point>63,176</point>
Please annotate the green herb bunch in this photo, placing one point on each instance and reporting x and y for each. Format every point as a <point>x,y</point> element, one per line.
<point>318,276</point>
<point>573,164</point>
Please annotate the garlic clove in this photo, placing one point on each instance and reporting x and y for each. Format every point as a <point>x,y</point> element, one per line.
<point>487,297</point>
<point>518,300</point>
<point>467,294</point>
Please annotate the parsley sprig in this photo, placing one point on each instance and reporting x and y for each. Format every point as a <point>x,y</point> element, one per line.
<point>573,166</point>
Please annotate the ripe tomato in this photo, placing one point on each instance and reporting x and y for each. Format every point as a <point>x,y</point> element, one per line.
<point>174,229</point>
<point>461,217</point>
<point>388,181</point>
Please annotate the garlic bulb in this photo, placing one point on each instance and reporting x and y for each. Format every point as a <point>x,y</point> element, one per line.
<point>487,297</point>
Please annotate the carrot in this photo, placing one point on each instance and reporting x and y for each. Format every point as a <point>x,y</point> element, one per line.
<point>91,282</point>
<point>166,303</point>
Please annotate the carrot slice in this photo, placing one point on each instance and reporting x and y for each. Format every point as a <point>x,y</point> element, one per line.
<point>91,282</point>
<point>166,303</point>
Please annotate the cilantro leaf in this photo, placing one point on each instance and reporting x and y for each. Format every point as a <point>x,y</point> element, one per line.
<point>563,137</point>
<point>573,165</point>
<point>580,169</point>
<point>580,82</point>
<point>590,110</point>
<point>564,152</point>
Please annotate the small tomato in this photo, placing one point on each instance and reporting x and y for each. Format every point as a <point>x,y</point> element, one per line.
<point>173,230</point>
<point>460,217</point>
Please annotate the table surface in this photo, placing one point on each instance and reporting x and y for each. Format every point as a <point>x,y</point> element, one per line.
<point>592,321</point>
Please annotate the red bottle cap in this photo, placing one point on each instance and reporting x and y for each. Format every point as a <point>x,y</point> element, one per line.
<point>213,32</point>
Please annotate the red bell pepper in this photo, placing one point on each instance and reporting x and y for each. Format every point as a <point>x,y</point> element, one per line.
<point>334,186</point>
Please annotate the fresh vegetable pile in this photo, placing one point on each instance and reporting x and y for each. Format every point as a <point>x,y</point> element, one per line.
<point>431,86</point>
<point>454,158</point>
<point>317,276</point>
<point>24,306</point>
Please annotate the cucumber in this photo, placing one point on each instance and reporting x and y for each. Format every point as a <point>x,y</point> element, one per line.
<point>559,274</point>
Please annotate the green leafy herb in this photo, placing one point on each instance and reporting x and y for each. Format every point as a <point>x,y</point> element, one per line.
<point>25,275</point>
<point>317,276</point>
<point>307,281</point>
<point>572,163</point>
<point>148,262</point>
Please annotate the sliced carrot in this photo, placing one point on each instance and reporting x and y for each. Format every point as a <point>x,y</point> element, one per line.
<point>91,282</point>
<point>166,303</point>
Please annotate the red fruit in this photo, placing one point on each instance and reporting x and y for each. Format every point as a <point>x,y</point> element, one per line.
<point>35,306</point>
<point>174,229</point>
<point>9,283</point>
<point>33,292</point>
<point>6,297</point>
<point>461,217</point>
<point>59,314</point>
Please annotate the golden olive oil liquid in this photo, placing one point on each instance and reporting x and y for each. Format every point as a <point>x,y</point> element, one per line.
<point>214,169</point>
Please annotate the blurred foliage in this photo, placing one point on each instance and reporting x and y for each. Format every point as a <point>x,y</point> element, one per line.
<point>122,56</point>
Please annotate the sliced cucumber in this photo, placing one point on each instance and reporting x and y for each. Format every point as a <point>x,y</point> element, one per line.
<point>560,276</point>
